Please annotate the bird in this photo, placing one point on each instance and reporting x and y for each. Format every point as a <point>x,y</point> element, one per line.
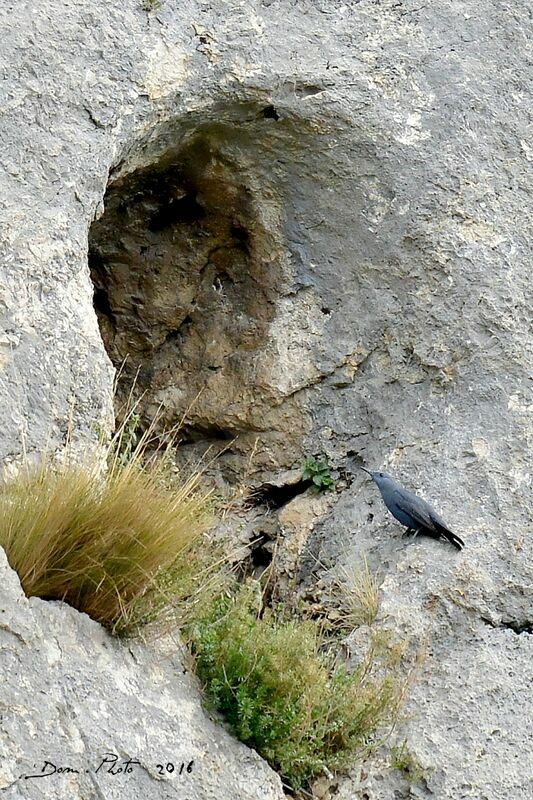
<point>413,512</point>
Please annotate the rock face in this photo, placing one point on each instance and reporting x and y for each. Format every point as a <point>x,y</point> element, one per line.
<point>190,272</point>
<point>87,704</point>
<point>305,224</point>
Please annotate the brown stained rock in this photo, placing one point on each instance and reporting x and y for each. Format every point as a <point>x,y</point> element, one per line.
<point>297,520</point>
<point>188,274</point>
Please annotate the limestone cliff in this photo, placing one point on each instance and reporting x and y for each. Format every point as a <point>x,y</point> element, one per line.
<point>305,225</point>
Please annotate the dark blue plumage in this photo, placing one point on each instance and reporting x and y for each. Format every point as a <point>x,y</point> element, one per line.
<point>413,512</point>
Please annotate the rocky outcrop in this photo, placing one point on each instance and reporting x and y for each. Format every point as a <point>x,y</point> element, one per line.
<point>85,715</point>
<point>306,225</point>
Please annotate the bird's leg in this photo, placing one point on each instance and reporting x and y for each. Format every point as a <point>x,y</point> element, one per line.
<point>416,532</point>
<point>407,532</point>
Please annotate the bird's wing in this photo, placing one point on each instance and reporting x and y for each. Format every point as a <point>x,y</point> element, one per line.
<point>417,508</point>
<point>444,530</point>
<point>426,516</point>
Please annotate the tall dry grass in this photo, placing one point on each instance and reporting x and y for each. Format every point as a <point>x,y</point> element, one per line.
<point>354,591</point>
<point>123,544</point>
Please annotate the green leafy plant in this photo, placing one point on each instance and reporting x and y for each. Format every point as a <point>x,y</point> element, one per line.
<point>282,693</point>
<point>121,544</point>
<point>319,473</point>
<point>403,760</point>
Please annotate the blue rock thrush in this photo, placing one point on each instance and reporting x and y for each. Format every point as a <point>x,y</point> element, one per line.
<point>412,511</point>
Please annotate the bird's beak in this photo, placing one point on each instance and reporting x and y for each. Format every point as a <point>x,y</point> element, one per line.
<point>366,470</point>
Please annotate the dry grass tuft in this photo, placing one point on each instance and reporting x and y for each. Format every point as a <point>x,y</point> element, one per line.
<point>355,594</point>
<point>123,545</point>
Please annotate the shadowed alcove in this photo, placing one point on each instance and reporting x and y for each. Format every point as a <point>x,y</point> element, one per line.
<point>187,276</point>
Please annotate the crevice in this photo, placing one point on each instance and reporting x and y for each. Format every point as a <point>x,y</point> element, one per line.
<point>206,433</point>
<point>240,236</point>
<point>101,303</point>
<point>269,112</point>
<point>180,332</point>
<point>15,634</point>
<point>517,626</point>
<point>222,282</point>
<point>261,552</point>
<point>184,210</point>
<point>275,497</point>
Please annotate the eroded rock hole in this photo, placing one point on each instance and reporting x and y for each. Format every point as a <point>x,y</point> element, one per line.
<point>274,497</point>
<point>269,112</point>
<point>175,210</point>
<point>261,554</point>
<point>186,284</point>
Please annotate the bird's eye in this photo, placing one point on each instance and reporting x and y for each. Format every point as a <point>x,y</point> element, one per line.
<point>380,474</point>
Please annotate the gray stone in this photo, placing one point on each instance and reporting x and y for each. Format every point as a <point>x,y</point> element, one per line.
<point>77,698</point>
<point>378,157</point>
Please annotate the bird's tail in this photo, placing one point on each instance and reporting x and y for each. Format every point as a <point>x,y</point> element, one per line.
<point>450,536</point>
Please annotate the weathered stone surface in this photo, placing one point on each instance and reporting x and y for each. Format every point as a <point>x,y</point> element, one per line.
<point>469,712</point>
<point>190,271</point>
<point>75,697</point>
<point>380,159</point>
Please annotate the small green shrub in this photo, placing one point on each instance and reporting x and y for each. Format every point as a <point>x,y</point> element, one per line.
<point>319,473</point>
<point>284,695</point>
<point>403,760</point>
